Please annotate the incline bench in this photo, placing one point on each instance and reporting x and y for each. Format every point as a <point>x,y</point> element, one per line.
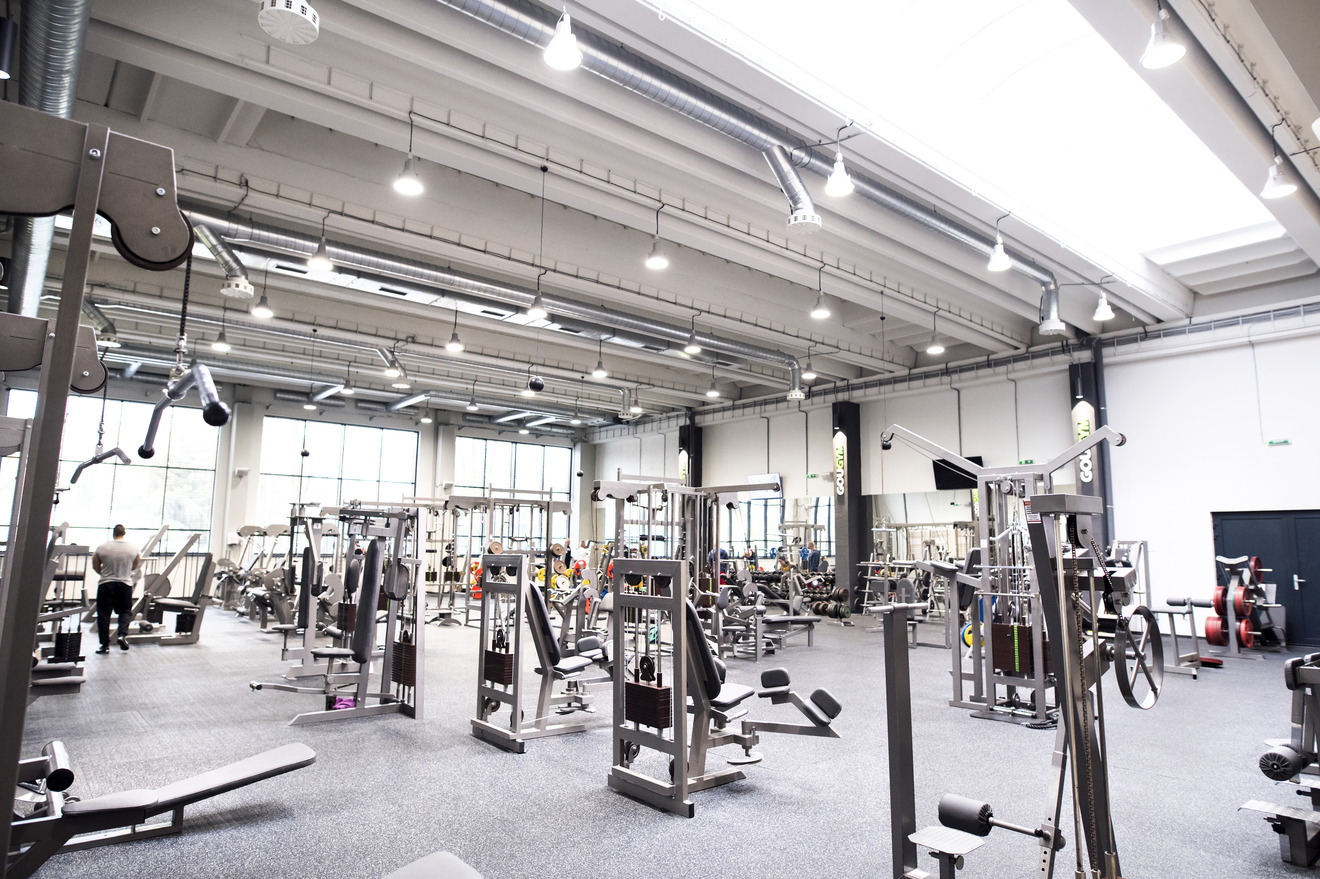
<point>120,817</point>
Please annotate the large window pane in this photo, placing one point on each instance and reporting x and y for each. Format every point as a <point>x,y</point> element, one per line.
<point>398,456</point>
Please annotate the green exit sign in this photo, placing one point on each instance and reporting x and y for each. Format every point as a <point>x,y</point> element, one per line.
<point>1279,442</point>
<point>811,476</point>
<point>1027,461</point>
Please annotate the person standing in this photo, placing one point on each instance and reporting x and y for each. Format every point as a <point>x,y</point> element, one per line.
<point>115,561</point>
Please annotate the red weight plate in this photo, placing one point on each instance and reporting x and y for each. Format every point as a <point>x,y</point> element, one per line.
<point>1244,602</point>
<point>1256,568</point>
<point>1220,599</point>
<point>1216,631</point>
<point>1246,637</point>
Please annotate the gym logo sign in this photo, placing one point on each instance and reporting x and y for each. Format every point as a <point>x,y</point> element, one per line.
<point>1083,417</point>
<point>840,459</point>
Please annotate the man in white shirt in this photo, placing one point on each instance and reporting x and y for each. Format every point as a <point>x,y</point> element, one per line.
<point>115,561</point>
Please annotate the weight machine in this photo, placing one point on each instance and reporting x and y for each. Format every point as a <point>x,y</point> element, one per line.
<point>1011,672</point>
<point>1076,592</point>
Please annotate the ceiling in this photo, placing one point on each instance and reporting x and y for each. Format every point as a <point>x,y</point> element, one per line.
<point>297,137</point>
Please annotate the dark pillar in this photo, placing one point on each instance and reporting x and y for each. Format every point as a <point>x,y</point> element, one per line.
<point>689,452</point>
<point>852,530</point>
<point>1087,393</point>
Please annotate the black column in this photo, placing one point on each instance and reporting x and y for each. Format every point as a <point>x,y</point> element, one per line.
<point>1086,399</point>
<point>689,452</point>
<point>852,533</point>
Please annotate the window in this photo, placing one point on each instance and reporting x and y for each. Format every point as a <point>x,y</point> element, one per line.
<point>344,462</point>
<point>175,488</point>
<point>760,522</point>
<point>480,464</point>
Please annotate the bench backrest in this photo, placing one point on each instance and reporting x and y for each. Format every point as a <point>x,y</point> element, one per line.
<point>363,641</point>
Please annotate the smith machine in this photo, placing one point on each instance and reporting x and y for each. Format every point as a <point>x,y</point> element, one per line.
<point>995,610</point>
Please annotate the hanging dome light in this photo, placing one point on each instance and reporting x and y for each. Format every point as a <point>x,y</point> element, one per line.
<point>1163,49</point>
<point>1276,185</point>
<point>408,183</point>
<point>839,183</point>
<point>562,53</point>
<point>455,344</point>
<point>537,310</point>
<point>999,259</point>
<point>808,374</point>
<point>821,309</point>
<point>656,259</point>
<point>262,310</point>
<point>599,371</point>
<point>221,344</point>
<point>1103,311</point>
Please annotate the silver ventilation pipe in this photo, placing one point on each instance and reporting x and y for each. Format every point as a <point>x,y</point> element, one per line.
<point>802,216</point>
<point>52,46</point>
<point>457,282</point>
<point>236,283</point>
<point>1050,323</point>
<point>536,25</point>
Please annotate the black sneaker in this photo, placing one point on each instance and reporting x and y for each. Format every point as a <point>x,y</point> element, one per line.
<point>104,648</point>
<point>123,642</point>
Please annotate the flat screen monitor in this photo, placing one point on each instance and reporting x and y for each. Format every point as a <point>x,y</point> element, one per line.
<point>950,477</point>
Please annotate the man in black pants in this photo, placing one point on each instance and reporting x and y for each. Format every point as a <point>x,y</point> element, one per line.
<point>115,561</point>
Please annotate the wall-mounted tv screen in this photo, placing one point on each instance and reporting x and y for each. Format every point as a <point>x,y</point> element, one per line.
<point>950,477</point>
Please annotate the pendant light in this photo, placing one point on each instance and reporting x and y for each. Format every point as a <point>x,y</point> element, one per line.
<point>692,346</point>
<point>408,183</point>
<point>808,374</point>
<point>1163,49</point>
<point>262,310</point>
<point>821,309</point>
<point>934,347</point>
<point>599,372</point>
<point>657,259</point>
<point>320,259</point>
<point>1103,311</point>
<point>839,183</point>
<point>472,398</point>
<point>537,310</point>
<point>348,390</point>
<point>999,260</point>
<point>455,344</point>
<point>221,344</point>
<point>562,53</point>
<point>1276,185</point>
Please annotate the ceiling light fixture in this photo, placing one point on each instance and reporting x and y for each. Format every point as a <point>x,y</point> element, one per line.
<point>221,344</point>
<point>1277,185</point>
<point>1163,49</point>
<point>262,310</point>
<point>108,339</point>
<point>309,406</point>
<point>524,431</point>
<point>537,310</point>
<point>599,372</point>
<point>692,346</point>
<point>839,184</point>
<point>472,398</point>
<point>934,347</point>
<point>408,183</point>
<point>562,53</point>
<point>400,382</point>
<point>635,408</point>
<point>427,419</point>
<point>392,368</point>
<point>657,259</point>
<point>320,259</point>
<point>999,260</point>
<point>455,344</point>
<point>1103,311</point>
<point>821,309</point>
<point>808,374</point>
<point>712,391</point>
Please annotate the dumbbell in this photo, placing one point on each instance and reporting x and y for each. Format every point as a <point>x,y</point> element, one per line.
<point>978,819</point>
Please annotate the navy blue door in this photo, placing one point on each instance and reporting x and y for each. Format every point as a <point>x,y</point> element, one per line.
<point>1288,544</point>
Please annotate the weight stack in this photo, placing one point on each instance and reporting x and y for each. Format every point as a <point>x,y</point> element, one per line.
<point>648,705</point>
<point>184,622</point>
<point>68,646</point>
<point>403,670</point>
<point>1012,649</point>
<point>155,613</point>
<point>498,668</point>
<point>347,617</point>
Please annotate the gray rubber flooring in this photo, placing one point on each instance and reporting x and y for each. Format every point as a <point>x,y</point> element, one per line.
<point>387,790</point>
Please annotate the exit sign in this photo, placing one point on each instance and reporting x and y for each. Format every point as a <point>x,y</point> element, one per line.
<point>1027,461</point>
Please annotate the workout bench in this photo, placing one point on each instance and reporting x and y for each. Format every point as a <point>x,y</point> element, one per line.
<point>122,816</point>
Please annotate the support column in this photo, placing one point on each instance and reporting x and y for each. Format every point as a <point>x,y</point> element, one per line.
<point>689,452</point>
<point>1086,389</point>
<point>852,534</point>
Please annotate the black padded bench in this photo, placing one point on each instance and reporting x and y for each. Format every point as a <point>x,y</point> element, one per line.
<point>120,817</point>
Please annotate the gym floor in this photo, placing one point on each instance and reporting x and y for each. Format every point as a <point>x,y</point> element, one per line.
<point>387,790</point>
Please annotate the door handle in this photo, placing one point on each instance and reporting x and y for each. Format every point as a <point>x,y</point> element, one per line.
<point>1297,581</point>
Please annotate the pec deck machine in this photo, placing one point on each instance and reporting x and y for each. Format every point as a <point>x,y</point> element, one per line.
<point>1083,621</point>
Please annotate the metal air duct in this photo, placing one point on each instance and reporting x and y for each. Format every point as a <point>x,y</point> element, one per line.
<point>52,46</point>
<point>802,216</point>
<point>237,285</point>
<point>1050,324</point>
<point>362,259</point>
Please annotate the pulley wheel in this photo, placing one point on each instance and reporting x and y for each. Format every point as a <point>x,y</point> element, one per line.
<point>1244,601</point>
<point>1216,631</point>
<point>1220,600</point>
<point>1246,637</point>
<point>1139,659</point>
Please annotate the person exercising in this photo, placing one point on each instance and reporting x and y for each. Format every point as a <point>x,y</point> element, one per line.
<point>115,561</point>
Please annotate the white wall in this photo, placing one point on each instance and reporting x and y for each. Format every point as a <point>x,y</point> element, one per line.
<point>1197,445</point>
